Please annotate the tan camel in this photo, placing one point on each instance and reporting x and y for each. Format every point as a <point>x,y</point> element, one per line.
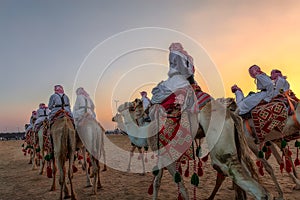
<point>41,141</point>
<point>221,139</point>
<point>291,129</point>
<point>91,135</point>
<point>64,142</point>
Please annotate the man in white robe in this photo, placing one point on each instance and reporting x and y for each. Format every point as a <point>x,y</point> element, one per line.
<point>263,83</point>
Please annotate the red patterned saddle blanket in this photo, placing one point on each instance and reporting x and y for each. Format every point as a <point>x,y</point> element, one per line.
<point>29,137</point>
<point>175,138</point>
<point>268,117</point>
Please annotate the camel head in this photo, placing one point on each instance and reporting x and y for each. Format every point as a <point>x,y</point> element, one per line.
<point>229,103</point>
<point>135,108</point>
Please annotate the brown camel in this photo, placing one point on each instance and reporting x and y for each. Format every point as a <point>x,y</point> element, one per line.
<point>64,142</point>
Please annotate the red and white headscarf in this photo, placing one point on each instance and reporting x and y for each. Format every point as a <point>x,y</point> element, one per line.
<point>275,73</point>
<point>254,70</point>
<point>176,46</point>
<point>59,89</point>
<point>143,93</point>
<point>81,91</point>
<point>42,105</point>
<point>34,113</point>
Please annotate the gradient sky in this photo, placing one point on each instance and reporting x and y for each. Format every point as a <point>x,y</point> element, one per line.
<point>44,43</point>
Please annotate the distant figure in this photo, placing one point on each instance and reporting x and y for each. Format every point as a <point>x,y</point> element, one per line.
<point>146,101</point>
<point>59,100</point>
<point>263,83</point>
<point>281,85</point>
<point>42,114</point>
<point>83,104</point>
<point>32,120</point>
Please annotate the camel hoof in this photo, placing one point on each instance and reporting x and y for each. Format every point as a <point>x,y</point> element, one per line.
<point>105,169</point>
<point>52,189</point>
<point>99,186</point>
<point>67,196</point>
<point>297,187</point>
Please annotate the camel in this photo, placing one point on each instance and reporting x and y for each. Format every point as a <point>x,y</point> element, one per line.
<point>136,142</point>
<point>221,137</point>
<point>64,141</point>
<point>44,145</point>
<point>29,148</point>
<point>91,135</point>
<point>291,128</point>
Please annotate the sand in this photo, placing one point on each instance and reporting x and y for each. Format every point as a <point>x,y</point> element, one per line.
<point>19,181</point>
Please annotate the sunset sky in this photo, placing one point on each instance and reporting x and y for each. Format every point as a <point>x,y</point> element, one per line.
<point>117,48</point>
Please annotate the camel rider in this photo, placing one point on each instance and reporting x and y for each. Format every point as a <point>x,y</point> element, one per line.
<point>83,104</point>
<point>146,105</point>
<point>33,118</point>
<point>146,101</point>
<point>266,93</point>
<point>181,69</point>
<point>42,114</point>
<point>59,100</point>
<point>281,85</point>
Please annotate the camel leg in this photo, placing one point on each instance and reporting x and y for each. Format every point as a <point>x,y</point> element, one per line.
<point>172,170</point>
<point>220,179</point>
<point>70,172</point>
<point>33,158</point>
<point>156,184</point>
<point>88,179</point>
<point>269,169</point>
<point>30,157</point>
<point>53,188</point>
<point>96,171</point>
<point>130,156</point>
<point>95,175</point>
<point>43,161</point>
<point>279,160</point>
<point>143,163</point>
<point>104,157</point>
<point>240,176</point>
<point>62,172</point>
<point>99,182</point>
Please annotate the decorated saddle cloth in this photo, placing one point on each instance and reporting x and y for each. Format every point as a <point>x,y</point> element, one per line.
<point>29,137</point>
<point>48,145</point>
<point>175,135</point>
<point>202,97</point>
<point>60,114</point>
<point>269,116</point>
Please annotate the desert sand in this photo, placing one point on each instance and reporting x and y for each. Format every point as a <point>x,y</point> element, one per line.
<point>19,181</point>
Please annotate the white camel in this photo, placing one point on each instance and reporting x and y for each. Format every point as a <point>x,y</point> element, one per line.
<point>91,135</point>
<point>221,139</point>
<point>291,128</point>
<point>136,142</point>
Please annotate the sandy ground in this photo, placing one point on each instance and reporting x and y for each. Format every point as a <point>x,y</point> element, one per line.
<point>19,181</point>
